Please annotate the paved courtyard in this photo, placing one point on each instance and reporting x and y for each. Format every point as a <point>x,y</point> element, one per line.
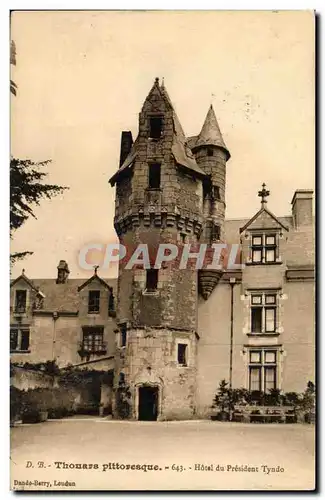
<point>97,453</point>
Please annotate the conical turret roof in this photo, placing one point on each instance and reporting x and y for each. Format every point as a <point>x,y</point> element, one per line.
<point>210,134</point>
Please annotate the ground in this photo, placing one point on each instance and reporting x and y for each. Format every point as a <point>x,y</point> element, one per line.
<point>173,447</point>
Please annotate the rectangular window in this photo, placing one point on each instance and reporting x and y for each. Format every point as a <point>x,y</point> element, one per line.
<point>93,301</point>
<point>262,370</point>
<point>256,319</point>
<point>123,335</point>
<point>215,233</point>
<point>13,339</point>
<point>19,339</point>
<point>24,343</point>
<point>270,319</point>
<point>93,340</point>
<point>182,354</point>
<point>264,248</point>
<point>21,299</point>
<point>155,124</point>
<point>152,280</point>
<point>154,175</point>
<point>270,381</point>
<point>263,312</point>
<point>255,382</point>
<point>216,192</point>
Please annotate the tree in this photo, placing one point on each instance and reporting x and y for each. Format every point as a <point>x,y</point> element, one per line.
<point>26,190</point>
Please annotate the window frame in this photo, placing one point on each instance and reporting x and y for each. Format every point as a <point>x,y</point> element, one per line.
<point>17,308</point>
<point>263,366</point>
<point>20,331</point>
<point>186,342</point>
<point>151,118</point>
<point>96,345</point>
<point>123,335</point>
<point>151,167</point>
<point>216,193</point>
<point>263,247</point>
<point>264,306</point>
<point>155,272</point>
<point>16,330</point>
<point>94,302</point>
<point>215,233</point>
<point>184,345</point>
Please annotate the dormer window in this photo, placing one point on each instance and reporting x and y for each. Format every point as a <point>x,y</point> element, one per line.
<point>20,301</point>
<point>155,127</point>
<point>263,248</point>
<point>93,302</point>
<point>210,152</point>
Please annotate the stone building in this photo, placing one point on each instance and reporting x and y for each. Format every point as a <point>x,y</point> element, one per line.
<point>71,321</point>
<point>178,332</point>
<point>183,330</point>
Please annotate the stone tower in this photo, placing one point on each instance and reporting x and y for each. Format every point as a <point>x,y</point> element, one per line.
<point>160,189</point>
<point>211,155</point>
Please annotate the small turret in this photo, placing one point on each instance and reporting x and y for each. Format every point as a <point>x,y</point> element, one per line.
<point>211,154</point>
<point>210,134</point>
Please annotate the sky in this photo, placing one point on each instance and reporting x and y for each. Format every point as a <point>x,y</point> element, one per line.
<point>83,76</point>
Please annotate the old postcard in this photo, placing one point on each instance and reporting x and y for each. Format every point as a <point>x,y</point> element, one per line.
<point>162,317</point>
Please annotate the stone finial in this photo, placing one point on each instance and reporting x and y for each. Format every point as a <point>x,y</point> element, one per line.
<point>95,269</point>
<point>263,194</point>
<point>23,272</point>
<point>156,80</point>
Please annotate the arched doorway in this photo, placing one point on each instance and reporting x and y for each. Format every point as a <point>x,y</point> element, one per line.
<point>148,402</point>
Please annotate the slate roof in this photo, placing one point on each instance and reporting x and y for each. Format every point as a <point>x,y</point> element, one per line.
<point>180,149</point>
<point>210,134</point>
<point>62,297</point>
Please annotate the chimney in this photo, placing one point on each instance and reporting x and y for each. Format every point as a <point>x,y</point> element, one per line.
<point>302,207</point>
<point>126,145</point>
<point>63,272</point>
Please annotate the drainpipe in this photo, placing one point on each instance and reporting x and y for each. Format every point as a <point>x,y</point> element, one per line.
<point>232,282</point>
<point>55,317</point>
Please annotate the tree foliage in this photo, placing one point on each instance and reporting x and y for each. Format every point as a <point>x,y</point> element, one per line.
<point>27,189</point>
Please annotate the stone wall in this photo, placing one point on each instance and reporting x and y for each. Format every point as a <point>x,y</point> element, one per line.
<point>150,358</point>
<point>25,379</point>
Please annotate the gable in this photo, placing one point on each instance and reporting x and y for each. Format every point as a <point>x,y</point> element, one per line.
<point>94,281</point>
<point>23,283</point>
<point>264,219</point>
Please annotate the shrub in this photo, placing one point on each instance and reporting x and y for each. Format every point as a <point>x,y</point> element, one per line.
<point>222,398</point>
<point>34,403</point>
<point>291,398</point>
